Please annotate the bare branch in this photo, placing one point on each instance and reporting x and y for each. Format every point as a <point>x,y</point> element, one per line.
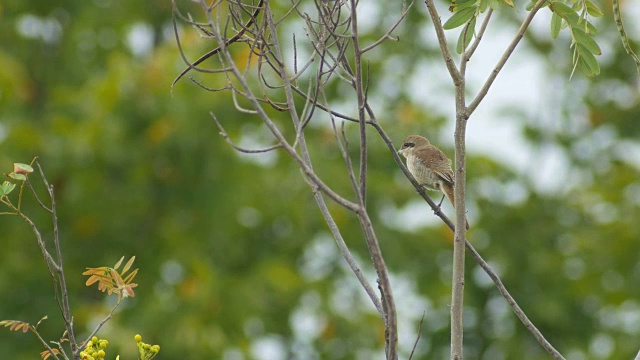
<point>442,40</point>
<point>226,137</point>
<point>204,87</point>
<point>35,195</point>
<point>66,314</point>
<point>272,127</point>
<point>505,56</point>
<point>212,52</point>
<point>43,342</point>
<point>472,49</point>
<point>516,309</point>
<point>101,324</point>
<point>387,35</point>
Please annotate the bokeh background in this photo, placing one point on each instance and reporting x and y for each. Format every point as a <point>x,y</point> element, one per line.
<point>235,260</point>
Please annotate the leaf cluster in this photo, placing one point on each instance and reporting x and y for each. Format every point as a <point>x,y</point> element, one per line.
<point>112,281</point>
<point>466,13</point>
<point>576,18</point>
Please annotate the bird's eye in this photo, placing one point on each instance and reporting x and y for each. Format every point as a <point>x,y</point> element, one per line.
<point>408,144</point>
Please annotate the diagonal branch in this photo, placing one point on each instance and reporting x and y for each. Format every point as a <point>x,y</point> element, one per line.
<point>66,314</point>
<point>472,49</point>
<point>505,56</point>
<point>442,40</point>
<point>512,303</point>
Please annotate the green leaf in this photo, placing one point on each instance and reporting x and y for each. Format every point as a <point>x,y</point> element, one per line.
<point>562,9</point>
<point>556,25</point>
<point>573,20</point>
<point>589,60</point>
<point>17,176</point>
<point>459,18</point>
<point>467,33</point>
<point>6,188</point>
<point>584,68</point>
<point>464,4</point>
<point>567,13</point>
<point>494,4</point>
<point>593,9</point>
<point>483,5</point>
<point>591,29</point>
<point>585,40</point>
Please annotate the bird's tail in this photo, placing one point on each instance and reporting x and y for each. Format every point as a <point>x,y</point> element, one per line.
<point>447,189</point>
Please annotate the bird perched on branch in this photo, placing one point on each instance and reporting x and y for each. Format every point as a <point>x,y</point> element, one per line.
<point>430,166</point>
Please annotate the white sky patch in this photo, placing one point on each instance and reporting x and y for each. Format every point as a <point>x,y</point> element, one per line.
<point>411,217</point>
<point>47,29</point>
<point>626,150</point>
<point>256,137</point>
<point>269,348</point>
<point>140,39</point>
<point>307,321</point>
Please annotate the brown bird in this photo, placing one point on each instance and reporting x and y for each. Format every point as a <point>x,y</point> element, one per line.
<point>430,166</point>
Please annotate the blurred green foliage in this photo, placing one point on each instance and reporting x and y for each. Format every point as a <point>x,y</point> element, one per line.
<point>235,260</point>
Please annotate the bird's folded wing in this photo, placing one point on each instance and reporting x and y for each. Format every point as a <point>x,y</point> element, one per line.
<point>437,161</point>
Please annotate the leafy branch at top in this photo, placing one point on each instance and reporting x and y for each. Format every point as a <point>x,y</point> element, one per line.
<point>574,16</point>
<point>466,12</point>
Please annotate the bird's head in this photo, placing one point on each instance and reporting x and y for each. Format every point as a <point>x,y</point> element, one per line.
<point>412,142</point>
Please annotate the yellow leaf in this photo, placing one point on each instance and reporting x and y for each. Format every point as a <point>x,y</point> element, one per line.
<point>127,266</point>
<point>118,263</point>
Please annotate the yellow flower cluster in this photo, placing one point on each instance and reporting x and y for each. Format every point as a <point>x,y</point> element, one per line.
<point>147,351</point>
<point>94,349</point>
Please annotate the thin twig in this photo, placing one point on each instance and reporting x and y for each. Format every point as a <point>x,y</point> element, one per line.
<point>102,322</point>
<point>387,35</point>
<point>209,54</point>
<point>43,342</point>
<point>35,195</point>
<point>269,123</point>
<point>358,80</point>
<point>226,137</point>
<point>415,344</point>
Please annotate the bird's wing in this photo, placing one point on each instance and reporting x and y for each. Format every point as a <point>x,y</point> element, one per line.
<point>438,162</point>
